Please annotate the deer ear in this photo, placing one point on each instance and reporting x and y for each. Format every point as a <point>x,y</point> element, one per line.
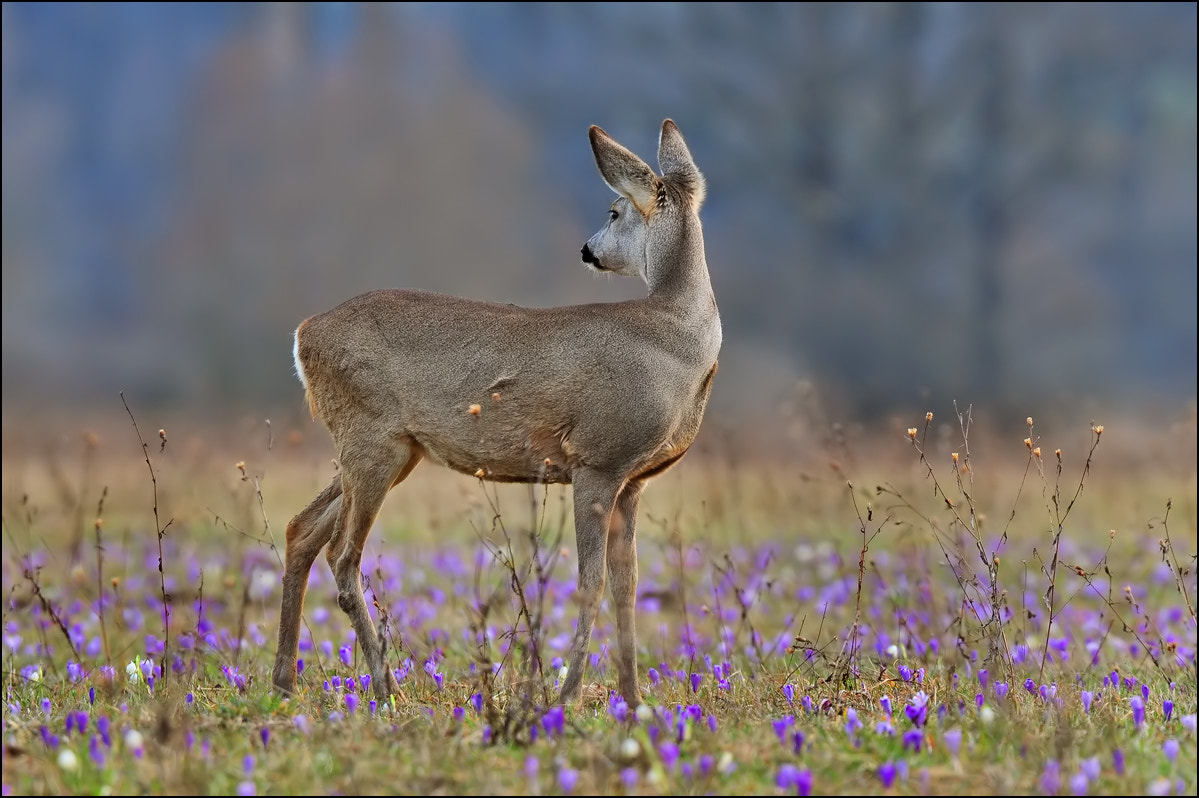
<point>624,172</point>
<point>674,159</point>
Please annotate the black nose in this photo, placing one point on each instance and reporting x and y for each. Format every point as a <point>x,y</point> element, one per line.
<point>588,256</point>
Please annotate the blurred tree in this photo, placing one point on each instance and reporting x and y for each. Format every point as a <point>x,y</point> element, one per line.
<point>312,179</point>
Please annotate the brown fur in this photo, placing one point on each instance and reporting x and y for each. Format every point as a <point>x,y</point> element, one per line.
<point>603,396</point>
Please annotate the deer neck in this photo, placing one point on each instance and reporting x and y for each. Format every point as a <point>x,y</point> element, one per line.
<point>677,271</point>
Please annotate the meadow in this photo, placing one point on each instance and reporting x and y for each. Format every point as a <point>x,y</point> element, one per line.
<point>925,608</point>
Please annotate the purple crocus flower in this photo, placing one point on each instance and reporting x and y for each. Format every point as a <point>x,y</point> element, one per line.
<point>1138,711</point>
<point>786,776</point>
<point>1170,749</point>
<point>1118,761</point>
<point>780,726</point>
<point>95,752</point>
<point>265,735</point>
<point>885,703</point>
<point>912,739</point>
<point>791,777</point>
<point>1030,686</point>
<point>789,693</point>
<point>1087,697</point>
<point>567,779</point>
<point>1167,708</point>
<point>554,722</point>
<point>917,710</point>
<point>1078,784</point>
<point>352,702</point>
<point>696,678</point>
<point>1000,689</point>
<point>886,774</point>
<point>852,724</point>
<point>1051,778</point>
<point>983,676</point>
<point>953,741</point>
<point>1090,768</point>
<point>104,727</point>
<point>669,753</point>
<point>654,676</point>
<point>797,741</point>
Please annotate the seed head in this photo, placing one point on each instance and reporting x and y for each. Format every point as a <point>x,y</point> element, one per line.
<point>955,457</point>
<point>912,433</point>
<point>480,473</point>
<point>1037,452</point>
<point>475,409</point>
<point>1029,422</point>
<point>928,417</point>
<point>1028,442</point>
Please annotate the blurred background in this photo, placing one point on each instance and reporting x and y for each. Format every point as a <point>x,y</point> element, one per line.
<point>909,203</point>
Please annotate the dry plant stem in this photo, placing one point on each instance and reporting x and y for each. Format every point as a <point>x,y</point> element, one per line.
<point>1058,517</point>
<point>507,558</point>
<point>677,537</point>
<point>99,523</point>
<point>31,575</point>
<point>1168,547</point>
<point>160,530</point>
<point>25,563</point>
<point>89,449</point>
<point>1131,629</point>
<point>866,540</point>
<point>729,573</point>
<point>992,626</point>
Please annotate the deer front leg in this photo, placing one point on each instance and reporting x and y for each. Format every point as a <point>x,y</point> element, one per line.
<point>307,534</point>
<point>594,496</point>
<point>622,584</point>
<point>345,558</point>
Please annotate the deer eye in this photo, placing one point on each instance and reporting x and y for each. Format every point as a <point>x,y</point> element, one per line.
<point>612,214</point>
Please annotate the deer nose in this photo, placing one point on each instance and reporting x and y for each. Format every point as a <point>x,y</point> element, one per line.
<point>588,255</point>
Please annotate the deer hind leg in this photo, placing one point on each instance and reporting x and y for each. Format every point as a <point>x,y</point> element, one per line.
<point>307,534</point>
<point>594,497</point>
<point>366,479</point>
<point>622,585</point>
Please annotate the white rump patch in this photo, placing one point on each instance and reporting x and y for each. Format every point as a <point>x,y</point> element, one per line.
<point>295,353</point>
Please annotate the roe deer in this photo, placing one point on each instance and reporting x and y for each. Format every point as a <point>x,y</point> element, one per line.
<point>602,396</point>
